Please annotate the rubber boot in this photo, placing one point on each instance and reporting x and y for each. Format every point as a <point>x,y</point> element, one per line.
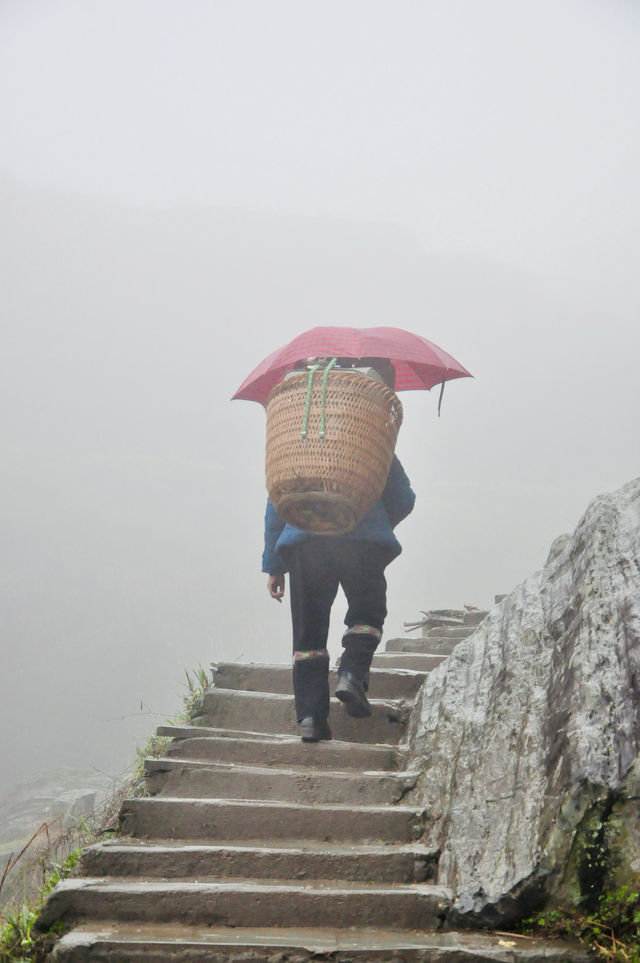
<point>311,685</point>
<point>359,643</point>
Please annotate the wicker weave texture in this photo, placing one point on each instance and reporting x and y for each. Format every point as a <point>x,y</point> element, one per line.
<point>327,485</point>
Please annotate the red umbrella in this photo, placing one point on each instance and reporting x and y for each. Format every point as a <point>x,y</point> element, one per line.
<point>418,363</point>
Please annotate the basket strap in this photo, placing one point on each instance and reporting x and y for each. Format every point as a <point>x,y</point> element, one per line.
<point>307,401</point>
<point>321,433</point>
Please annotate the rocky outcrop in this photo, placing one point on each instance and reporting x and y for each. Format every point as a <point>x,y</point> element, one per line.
<point>528,733</point>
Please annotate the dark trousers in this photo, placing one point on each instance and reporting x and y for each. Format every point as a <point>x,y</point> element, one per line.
<point>317,567</point>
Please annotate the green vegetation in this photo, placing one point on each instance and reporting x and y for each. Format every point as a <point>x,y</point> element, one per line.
<point>611,928</point>
<point>19,940</point>
<point>197,683</point>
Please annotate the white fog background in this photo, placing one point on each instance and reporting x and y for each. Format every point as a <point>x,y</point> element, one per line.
<point>185,187</point>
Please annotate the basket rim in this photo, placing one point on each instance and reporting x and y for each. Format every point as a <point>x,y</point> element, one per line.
<point>295,378</point>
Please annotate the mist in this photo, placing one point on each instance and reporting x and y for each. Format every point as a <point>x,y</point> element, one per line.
<point>183,192</point>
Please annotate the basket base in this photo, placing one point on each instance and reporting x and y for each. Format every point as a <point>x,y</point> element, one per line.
<point>322,513</point>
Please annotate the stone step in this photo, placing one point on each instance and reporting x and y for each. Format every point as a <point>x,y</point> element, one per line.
<point>444,632</point>
<point>436,653</point>
<point>405,863</point>
<point>213,745</point>
<point>441,617</point>
<point>442,644</point>
<point>475,617</point>
<point>403,660</point>
<point>218,820</point>
<point>433,646</point>
<point>192,778</point>
<point>384,684</point>
<point>107,942</point>
<point>248,903</point>
<point>272,712</point>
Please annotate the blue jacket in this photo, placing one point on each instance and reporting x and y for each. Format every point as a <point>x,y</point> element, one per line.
<point>396,502</point>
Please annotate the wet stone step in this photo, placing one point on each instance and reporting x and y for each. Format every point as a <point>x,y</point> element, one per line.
<point>198,742</point>
<point>186,778</point>
<point>443,632</point>
<point>404,863</point>
<point>433,646</point>
<point>248,903</point>
<point>271,712</point>
<point>403,660</point>
<point>217,820</point>
<point>384,684</point>
<point>434,653</point>
<point>174,943</point>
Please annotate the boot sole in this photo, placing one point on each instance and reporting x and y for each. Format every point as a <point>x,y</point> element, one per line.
<point>356,705</point>
<point>316,737</point>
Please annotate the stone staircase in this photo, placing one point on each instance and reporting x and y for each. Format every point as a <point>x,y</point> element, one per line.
<point>254,846</point>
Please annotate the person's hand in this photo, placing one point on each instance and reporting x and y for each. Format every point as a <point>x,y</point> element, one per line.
<point>275,587</point>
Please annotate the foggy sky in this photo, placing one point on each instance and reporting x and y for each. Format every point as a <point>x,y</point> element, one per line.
<point>186,187</point>
<point>505,127</point>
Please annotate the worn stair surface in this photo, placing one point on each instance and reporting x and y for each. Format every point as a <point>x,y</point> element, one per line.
<point>254,846</point>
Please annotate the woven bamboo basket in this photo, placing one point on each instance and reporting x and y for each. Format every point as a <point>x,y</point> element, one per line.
<point>327,484</point>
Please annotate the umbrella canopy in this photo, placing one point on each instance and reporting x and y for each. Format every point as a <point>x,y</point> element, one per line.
<point>418,363</point>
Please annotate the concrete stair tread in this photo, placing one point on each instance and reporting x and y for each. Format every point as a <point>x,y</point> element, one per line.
<point>272,804</point>
<point>436,654</point>
<point>260,677</point>
<point>450,632</point>
<point>187,777</point>
<point>224,733</point>
<point>285,667</point>
<point>394,706</point>
<point>332,756</point>
<point>362,723</point>
<point>213,692</point>
<point>292,845</point>
<point>279,666</point>
<point>274,712</point>
<point>307,943</point>
<point>245,902</point>
<point>164,763</point>
<point>396,674</point>
<point>277,739</point>
<point>252,665</point>
<point>217,819</point>
<point>267,859</point>
<point>288,738</point>
<point>430,650</point>
<point>250,846</point>
<point>415,660</point>
<point>150,884</point>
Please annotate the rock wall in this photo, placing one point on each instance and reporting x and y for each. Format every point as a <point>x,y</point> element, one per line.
<point>528,733</point>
